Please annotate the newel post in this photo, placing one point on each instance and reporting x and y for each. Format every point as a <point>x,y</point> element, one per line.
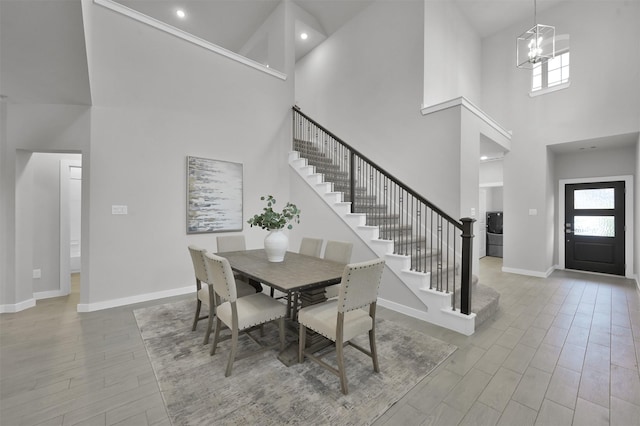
<point>467,261</point>
<point>352,179</point>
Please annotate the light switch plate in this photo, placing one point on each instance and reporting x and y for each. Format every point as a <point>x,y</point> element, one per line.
<point>37,273</point>
<point>118,209</point>
<point>533,212</point>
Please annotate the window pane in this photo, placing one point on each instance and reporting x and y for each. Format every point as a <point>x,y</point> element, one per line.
<point>555,63</point>
<point>554,77</point>
<point>594,226</point>
<point>565,58</point>
<point>594,198</point>
<point>536,84</point>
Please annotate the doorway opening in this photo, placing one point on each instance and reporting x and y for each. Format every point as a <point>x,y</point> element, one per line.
<point>595,225</point>
<point>70,225</point>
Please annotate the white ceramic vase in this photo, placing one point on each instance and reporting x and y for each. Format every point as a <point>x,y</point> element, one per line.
<point>276,244</point>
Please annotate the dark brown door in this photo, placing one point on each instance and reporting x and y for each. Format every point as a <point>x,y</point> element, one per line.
<point>594,227</point>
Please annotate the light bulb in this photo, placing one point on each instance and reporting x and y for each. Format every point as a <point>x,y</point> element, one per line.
<point>304,36</point>
<point>180,13</point>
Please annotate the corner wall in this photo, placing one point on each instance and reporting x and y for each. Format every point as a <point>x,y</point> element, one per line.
<point>602,100</point>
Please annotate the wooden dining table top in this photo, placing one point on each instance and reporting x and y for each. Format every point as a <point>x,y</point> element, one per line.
<point>297,272</point>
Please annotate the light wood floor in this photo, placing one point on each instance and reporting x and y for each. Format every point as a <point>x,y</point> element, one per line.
<point>562,350</point>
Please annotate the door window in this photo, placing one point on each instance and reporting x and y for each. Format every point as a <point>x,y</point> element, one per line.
<point>594,226</point>
<point>602,198</point>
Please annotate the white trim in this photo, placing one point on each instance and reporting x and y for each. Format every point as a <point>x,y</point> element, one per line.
<point>48,294</point>
<point>491,184</point>
<point>114,303</point>
<point>528,272</point>
<point>133,14</point>
<point>549,89</point>
<point>462,101</point>
<point>20,306</point>
<point>628,218</point>
<point>65,240</point>
<point>463,324</point>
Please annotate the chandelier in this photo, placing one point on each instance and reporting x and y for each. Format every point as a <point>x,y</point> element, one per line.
<point>536,45</point>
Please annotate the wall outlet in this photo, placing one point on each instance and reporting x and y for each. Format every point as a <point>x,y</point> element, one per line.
<point>533,212</point>
<point>37,273</point>
<point>118,209</point>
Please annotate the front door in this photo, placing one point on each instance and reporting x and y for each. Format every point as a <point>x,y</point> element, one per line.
<point>594,227</point>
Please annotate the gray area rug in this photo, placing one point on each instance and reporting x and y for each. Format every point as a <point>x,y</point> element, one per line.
<point>264,391</point>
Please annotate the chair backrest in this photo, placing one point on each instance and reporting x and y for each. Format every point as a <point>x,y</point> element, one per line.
<point>360,283</point>
<point>197,257</point>
<point>221,276</point>
<point>338,251</point>
<point>311,246</point>
<point>231,243</point>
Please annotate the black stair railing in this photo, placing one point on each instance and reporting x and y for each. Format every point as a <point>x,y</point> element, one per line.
<point>436,243</point>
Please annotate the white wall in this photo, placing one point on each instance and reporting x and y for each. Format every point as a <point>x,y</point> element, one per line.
<point>603,100</point>
<point>452,52</point>
<point>617,161</point>
<point>636,218</point>
<point>364,83</point>
<point>39,207</point>
<point>491,172</point>
<point>32,128</point>
<point>157,99</point>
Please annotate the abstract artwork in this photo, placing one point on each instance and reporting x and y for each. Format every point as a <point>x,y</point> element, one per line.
<point>214,196</point>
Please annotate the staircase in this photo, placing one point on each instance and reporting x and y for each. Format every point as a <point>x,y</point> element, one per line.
<point>421,244</point>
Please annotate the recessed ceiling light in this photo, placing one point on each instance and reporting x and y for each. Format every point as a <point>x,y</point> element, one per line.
<point>304,36</point>
<point>484,157</point>
<point>180,13</point>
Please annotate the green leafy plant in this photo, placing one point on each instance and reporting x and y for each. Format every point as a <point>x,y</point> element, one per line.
<point>270,219</point>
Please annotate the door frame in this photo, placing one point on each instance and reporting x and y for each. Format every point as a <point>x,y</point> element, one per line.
<point>628,217</point>
<point>65,237</point>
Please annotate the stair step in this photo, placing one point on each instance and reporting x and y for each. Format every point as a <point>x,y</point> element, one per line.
<point>409,241</point>
<point>391,228</point>
<point>364,208</point>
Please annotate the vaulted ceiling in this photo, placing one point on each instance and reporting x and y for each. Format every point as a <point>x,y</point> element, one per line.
<point>42,45</point>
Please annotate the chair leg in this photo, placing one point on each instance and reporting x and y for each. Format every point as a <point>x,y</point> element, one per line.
<point>216,336</point>
<point>232,353</point>
<point>374,352</point>
<point>195,320</point>
<point>301,343</point>
<point>209,326</point>
<point>340,359</point>
<point>281,326</point>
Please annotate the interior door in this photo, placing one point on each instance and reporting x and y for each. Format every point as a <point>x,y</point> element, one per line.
<point>594,227</point>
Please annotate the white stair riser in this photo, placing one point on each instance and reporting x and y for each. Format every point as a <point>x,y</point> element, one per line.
<point>438,304</point>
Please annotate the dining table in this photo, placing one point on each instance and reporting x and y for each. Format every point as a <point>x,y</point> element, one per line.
<point>302,278</point>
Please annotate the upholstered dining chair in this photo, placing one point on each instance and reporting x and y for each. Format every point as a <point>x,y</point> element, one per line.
<point>235,243</point>
<point>203,293</point>
<point>337,251</point>
<point>342,319</point>
<point>230,243</point>
<point>240,314</point>
<point>311,246</point>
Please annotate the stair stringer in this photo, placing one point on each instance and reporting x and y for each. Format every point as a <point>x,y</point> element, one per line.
<point>437,303</point>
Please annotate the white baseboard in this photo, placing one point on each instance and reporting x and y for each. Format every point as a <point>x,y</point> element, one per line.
<point>17,307</point>
<point>528,272</point>
<point>48,294</point>
<point>411,312</point>
<point>114,303</point>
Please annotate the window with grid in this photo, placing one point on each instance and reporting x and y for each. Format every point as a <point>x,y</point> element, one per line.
<point>552,73</point>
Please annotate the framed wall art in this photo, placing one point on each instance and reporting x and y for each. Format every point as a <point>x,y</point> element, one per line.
<point>214,196</point>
